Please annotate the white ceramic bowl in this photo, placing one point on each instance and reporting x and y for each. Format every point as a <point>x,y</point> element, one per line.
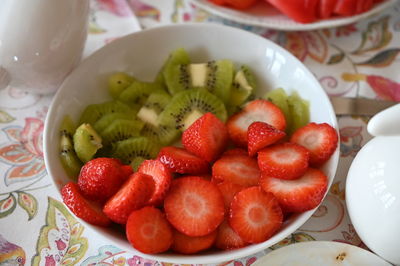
<point>142,54</point>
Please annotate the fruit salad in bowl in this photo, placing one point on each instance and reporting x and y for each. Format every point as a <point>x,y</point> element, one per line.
<point>192,143</point>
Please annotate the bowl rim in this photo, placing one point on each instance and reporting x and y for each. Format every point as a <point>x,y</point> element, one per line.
<point>203,258</point>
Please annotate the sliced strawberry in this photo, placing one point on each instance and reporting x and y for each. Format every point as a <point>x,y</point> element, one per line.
<point>162,177</point>
<point>287,160</point>
<point>127,171</point>
<point>81,207</point>
<point>148,230</point>
<point>257,110</point>
<point>101,178</point>
<point>261,135</point>
<point>228,191</point>
<point>238,169</point>
<point>192,244</point>
<point>320,139</point>
<point>207,137</point>
<point>133,195</point>
<point>179,160</point>
<point>194,206</point>
<point>255,214</point>
<point>235,151</point>
<point>298,195</point>
<point>227,238</point>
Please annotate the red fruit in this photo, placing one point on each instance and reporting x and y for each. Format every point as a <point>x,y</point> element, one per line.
<point>127,170</point>
<point>320,139</point>
<point>179,160</point>
<point>298,195</point>
<point>194,206</point>
<point>240,4</point>
<point>207,137</point>
<point>286,161</point>
<point>257,110</point>
<point>235,151</point>
<point>238,169</point>
<point>345,7</point>
<point>228,191</point>
<point>325,8</point>
<point>81,207</point>
<point>133,195</point>
<point>148,230</point>
<point>227,238</point>
<point>298,10</point>
<point>255,215</point>
<point>261,135</point>
<point>162,179</point>
<point>101,178</point>
<point>192,244</point>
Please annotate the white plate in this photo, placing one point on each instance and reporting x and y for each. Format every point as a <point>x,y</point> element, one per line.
<point>265,16</point>
<point>317,253</point>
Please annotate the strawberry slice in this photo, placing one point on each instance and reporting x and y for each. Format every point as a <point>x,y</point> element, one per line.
<point>238,169</point>
<point>298,195</point>
<point>227,238</point>
<point>192,244</point>
<point>148,230</point>
<point>235,151</point>
<point>133,195</point>
<point>81,207</point>
<point>228,191</point>
<point>162,178</point>
<point>179,160</point>
<point>320,139</point>
<point>255,214</point>
<point>207,137</point>
<point>261,135</point>
<point>194,206</point>
<point>257,110</point>
<point>287,160</point>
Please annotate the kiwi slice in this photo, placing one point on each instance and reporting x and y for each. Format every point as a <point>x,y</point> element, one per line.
<point>171,70</point>
<point>243,86</point>
<point>129,150</point>
<point>86,142</point>
<point>299,110</point>
<point>280,99</point>
<point>107,119</point>
<point>136,162</point>
<point>118,82</point>
<point>138,92</point>
<point>189,105</point>
<point>69,160</point>
<point>121,129</point>
<point>94,112</point>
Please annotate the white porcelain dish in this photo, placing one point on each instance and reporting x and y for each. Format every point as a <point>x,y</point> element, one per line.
<point>317,253</point>
<point>142,54</point>
<point>265,16</point>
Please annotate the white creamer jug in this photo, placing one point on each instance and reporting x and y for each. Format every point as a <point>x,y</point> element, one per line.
<point>41,41</point>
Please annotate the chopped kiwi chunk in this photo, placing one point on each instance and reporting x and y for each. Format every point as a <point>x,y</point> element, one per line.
<point>68,157</point>
<point>138,92</point>
<point>118,82</point>
<point>299,111</point>
<point>86,142</point>
<point>94,112</point>
<point>188,105</point>
<point>121,129</point>
<point>279,98</point>
<point>243,86</point>
<point>130,149</point>
<point>171,69</point>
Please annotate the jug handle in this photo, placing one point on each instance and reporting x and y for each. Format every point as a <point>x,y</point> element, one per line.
<point>4,78</point>
<point>386,122</point>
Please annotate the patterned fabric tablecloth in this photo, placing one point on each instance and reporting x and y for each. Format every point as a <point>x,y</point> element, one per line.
<point>358,60</point>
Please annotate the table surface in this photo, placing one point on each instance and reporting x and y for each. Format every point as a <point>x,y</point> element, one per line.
<point>358,60</point>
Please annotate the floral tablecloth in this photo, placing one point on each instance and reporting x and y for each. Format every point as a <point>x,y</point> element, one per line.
<point>358,60</point>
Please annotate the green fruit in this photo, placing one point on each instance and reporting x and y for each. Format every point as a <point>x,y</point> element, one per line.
<point>118,82</point>
<point>130,149</point>
<point>138,92</point>
<point>69,160</point>
<point>170,70</point>
<point>121,129</point>
<point>94,112</point>
<point>243,87</point>
<point>86,142</point>
<point>299,112</point>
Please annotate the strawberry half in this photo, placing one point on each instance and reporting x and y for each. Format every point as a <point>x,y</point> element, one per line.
<point>192,244</point>
<point>287,160</point>
<point>298,195</point>
<point>100,178</point>
<point>81,207</point>
<point>257,110</point>
<point>133,195</point>
<point>194,206</point>
<point>320,139</point>
<point>261,135</point>
<point>228,191</point>
<point>148,230</point>
<point>179,160</point>
<point>207,137</point>
<point>162,177</point>
<point>238,169</point>
<point>255,214</point>
<point>227,238</point>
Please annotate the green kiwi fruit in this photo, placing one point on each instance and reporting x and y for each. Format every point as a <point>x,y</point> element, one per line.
<point>86,142</point>
<point>138,92</point>
<point>243,87</point>
<point>299,112</point>
<point>94,112</point>
<point>136,162</point>
<point>121,129</point>
<point>69,160</point>
<point>118,82</point>
<point>107,119</point>
<point>280,98</point>
<point>130,149</point>
<point>189,105</point>
<point>171,69</point>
